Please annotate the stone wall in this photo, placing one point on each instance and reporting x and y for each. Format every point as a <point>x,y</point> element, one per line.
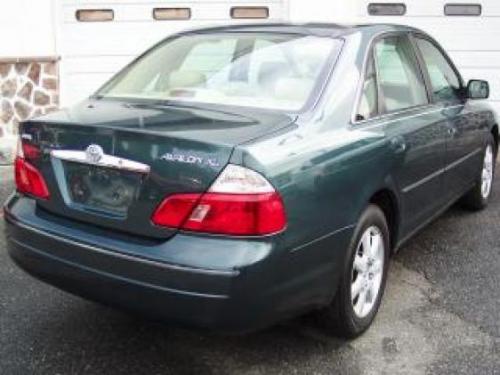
<point>28,88</point>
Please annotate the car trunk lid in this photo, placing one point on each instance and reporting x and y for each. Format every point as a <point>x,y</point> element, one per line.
<point>111,163</point>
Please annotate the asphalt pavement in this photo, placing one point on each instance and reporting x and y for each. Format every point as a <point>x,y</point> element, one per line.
<point>440,315</point>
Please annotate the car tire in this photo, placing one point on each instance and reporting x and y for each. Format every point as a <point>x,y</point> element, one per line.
<point>477,198</point>
<point>343,317</point>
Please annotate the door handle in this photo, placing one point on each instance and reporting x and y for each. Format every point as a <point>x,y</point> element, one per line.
<point>398,144</point>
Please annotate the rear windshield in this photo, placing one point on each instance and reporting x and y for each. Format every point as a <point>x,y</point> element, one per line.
<point>264,70</point>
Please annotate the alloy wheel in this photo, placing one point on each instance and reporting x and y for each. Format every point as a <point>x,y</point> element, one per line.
<point>487,172</point>
<point>367,271</point>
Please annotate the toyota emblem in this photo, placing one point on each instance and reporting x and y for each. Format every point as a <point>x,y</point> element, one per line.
<point>94,153</point>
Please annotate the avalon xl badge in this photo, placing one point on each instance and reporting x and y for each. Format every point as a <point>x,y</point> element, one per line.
<point>189,159</point>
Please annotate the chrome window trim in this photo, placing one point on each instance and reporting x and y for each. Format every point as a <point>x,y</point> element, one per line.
<point>108,161</point>
<point>435,108</point>
<point>397,113</point>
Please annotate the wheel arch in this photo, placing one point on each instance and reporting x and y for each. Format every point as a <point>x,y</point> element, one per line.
<point>387,201</point>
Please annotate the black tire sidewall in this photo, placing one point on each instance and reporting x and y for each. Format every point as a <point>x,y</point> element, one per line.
<point>371,216</point>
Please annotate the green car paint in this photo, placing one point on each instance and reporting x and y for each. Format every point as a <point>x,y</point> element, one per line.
<point>326,166</point>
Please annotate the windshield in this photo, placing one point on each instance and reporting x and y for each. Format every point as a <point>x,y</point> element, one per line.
<point>264,70</point>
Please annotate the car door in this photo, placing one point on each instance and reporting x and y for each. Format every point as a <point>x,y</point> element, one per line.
<point>395,100</point>
<point>463,143</point>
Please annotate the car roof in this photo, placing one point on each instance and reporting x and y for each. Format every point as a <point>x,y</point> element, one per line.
<point>318,29</point>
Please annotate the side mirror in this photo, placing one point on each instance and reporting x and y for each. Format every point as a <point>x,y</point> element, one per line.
<point>478,89</point>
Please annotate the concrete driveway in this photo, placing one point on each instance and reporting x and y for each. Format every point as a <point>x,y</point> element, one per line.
<point>440,315</point>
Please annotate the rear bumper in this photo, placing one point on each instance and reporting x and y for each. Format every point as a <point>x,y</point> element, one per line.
<point>174,281</point>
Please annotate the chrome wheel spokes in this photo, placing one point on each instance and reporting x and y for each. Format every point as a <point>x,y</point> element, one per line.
<point>487,172</point>
<point>367,271</point>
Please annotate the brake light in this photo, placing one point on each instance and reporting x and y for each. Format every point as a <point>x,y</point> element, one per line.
<point>29,180</point>
<point>30,151</point>
<point>240,202</point>
<point>174,210</point>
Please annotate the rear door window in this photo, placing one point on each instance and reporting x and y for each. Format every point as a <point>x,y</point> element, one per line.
<point>399,79</point>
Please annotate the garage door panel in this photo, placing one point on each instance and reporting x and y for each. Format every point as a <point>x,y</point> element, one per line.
<point>80,86</point>
<point>96,64</point>
<point>117,39</point>
<point>127,38</point>
<point>476,59</point>
<point>466,35</point>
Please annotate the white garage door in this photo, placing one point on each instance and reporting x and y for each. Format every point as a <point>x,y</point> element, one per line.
<point>121,29</point>
<point>469,31</point>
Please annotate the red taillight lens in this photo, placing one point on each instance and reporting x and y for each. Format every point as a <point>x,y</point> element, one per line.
<point>174,210</point>
<point>30,151</point>
<point>238,214</point>
<point>239,202</point>
<point>233,214</point>
<point>29,180</point>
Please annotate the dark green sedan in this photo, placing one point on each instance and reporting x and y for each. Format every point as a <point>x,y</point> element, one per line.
<point>232,177</point>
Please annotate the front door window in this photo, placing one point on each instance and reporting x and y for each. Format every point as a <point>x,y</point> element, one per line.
<point>444,81</point>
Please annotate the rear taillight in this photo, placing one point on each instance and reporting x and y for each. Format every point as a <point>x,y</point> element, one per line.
<point>29,180</point>
<point>30,151</point>
<point>238,214</point>
<point>240,202</point>
<point>174,210</point>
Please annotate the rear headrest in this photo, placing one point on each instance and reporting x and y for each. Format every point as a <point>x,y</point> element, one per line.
<point>186,78</point>
<point>293,89</point>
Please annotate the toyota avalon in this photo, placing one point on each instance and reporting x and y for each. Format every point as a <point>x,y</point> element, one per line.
<point>231,177</point>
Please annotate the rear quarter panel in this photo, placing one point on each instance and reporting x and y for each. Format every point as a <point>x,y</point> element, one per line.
<point>325,179</point>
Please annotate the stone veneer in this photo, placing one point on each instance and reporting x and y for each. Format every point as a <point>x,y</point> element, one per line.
<point>28,87</point>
